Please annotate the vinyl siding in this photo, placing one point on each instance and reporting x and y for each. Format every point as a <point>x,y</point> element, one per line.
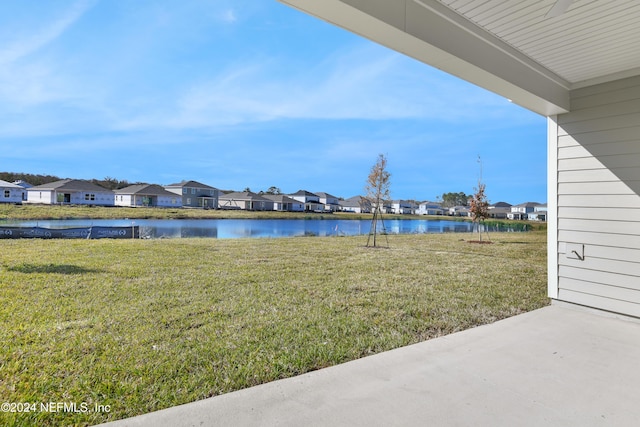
<point>45,197</point>
<point>124,200</point>
<point>11,195</point>
<point>598,197</point>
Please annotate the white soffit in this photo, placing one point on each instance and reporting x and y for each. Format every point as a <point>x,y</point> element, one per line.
<point>507,46</point>
<point>592,41</point>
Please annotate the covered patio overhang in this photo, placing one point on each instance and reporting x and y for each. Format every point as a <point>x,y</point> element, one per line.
<point>517,49</point>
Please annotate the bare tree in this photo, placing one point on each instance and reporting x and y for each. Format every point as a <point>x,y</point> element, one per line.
<point>377,191</point>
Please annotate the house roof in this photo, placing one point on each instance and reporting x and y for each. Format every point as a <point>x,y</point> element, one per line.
<point>304,193</point>
<point>325,195</point>
<point>527,205</point>
<point>280,198</point>
<point>431,204</point>
<point>6,184</point>
<point>350,203</point>
<point>355,201</point>
<point>501,205</point>
<point>190,184</point>
<point>72,185</point>
<point>23,184</point>
<point>145,190</point>
<point>528,51</point>
<point>245,195</point>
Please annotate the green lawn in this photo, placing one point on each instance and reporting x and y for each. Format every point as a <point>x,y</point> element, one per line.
<point>141,325</point>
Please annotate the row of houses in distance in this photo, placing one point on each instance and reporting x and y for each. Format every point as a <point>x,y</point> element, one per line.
<point>193,194</point>
<point>531,211</point>
<point>81,192</point>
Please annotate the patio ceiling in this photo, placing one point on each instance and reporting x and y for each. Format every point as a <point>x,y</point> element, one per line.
<point>589,41</point>
<point>524,50</point>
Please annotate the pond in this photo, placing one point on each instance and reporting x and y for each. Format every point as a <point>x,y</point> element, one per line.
<point>256,228</point>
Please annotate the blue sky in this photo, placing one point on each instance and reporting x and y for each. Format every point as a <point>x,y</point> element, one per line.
<point>246,93</point>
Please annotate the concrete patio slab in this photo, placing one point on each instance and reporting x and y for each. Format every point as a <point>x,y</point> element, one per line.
<point>557,366</point>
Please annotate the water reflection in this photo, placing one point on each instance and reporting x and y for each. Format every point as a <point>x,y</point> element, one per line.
<point>261,228</point>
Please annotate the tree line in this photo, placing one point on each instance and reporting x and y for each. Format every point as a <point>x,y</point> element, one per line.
<point>32,179</point>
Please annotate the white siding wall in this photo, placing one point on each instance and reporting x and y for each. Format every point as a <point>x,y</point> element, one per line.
<point>11,195</point>
<point>598,198</point>
<point>233,203</point>
<point>124,200</point>
<point>171,202</point>
<point>36,196</point>
<point>87,198</point>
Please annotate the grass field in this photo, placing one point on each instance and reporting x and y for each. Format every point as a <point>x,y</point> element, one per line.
<point>141,325</point>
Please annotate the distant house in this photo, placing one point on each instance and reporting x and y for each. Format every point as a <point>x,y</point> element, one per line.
<point>355,204</point>
<point>386,207</point>
<point>23,184</point>
<point>245,200</point>
<point>195,194</point>
<point>147,195</point>
<point>522,211</point>
<point>500,210</point>
<point>403,207</point>
<point>539,213</point>
<point>70,191</point>
<point>430,208</point>
<point>311,201</point>
<point>12,193</point>
<point>525,207</point>
<point>331,203</point>
<point>459,211</point>
<point>517,216</point>
<point>284,203</point>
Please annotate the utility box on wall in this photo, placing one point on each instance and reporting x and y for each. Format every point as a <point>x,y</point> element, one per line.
<point>574,251</point>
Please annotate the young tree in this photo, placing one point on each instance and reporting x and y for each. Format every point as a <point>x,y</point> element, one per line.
<point>377,191</point>
<point>479,206</point>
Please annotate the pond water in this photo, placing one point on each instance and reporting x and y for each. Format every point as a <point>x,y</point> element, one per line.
<point>255,228</point>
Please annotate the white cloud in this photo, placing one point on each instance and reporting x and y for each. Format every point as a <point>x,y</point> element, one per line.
<point>359,81</point>
<point>27,79</point>
<point>22,47</point>
<point>367,83</point>
<point>229,16</point>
